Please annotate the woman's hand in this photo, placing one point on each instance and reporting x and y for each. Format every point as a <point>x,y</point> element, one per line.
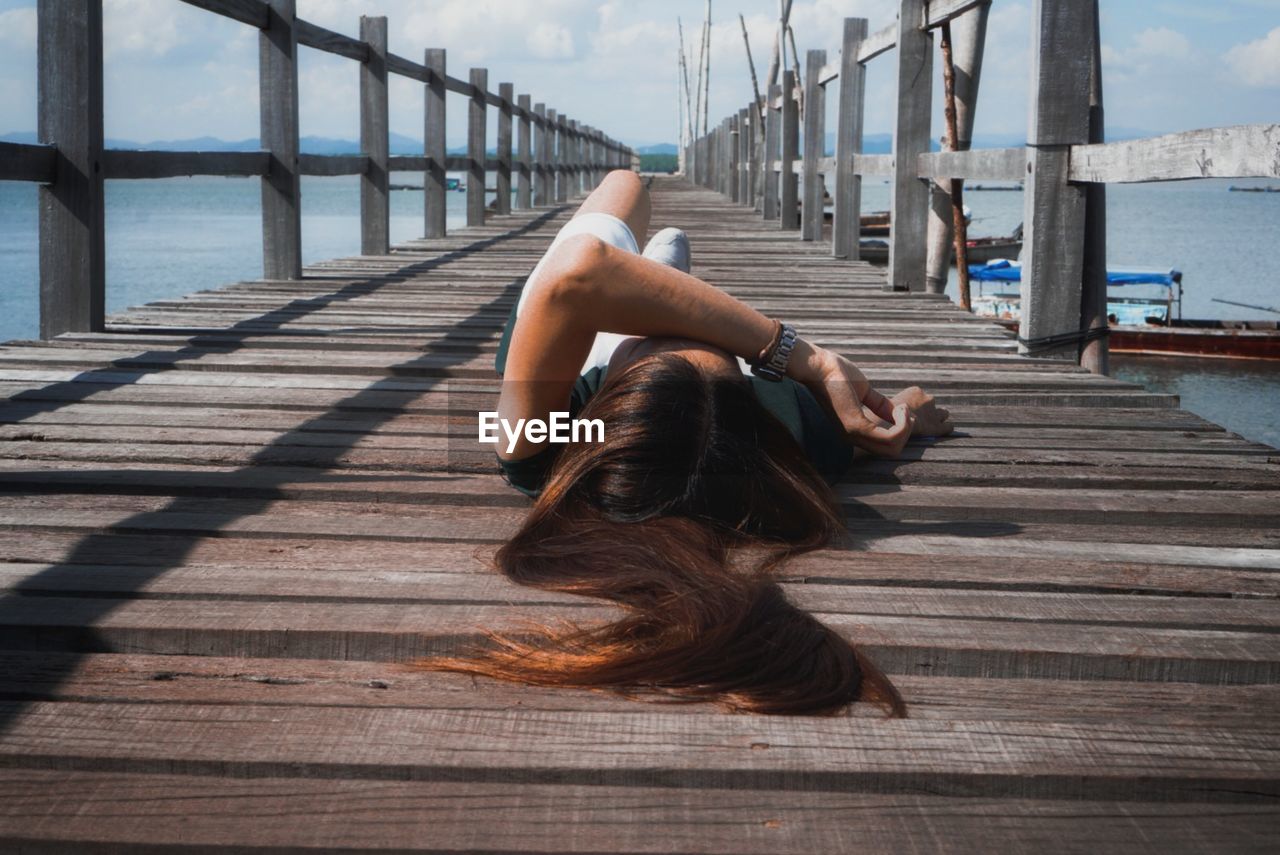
<point>870,420</point>
<point>931,420</point>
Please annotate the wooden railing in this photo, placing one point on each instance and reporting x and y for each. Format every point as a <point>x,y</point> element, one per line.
<point>1065,165</point>
<point>555,157</point>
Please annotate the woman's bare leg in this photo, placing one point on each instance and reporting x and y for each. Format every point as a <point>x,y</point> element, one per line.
<point>623,195</point>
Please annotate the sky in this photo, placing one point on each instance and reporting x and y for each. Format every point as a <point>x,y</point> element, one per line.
<point>174,72</point>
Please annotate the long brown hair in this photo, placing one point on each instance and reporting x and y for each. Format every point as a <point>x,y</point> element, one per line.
<point>690,467</point>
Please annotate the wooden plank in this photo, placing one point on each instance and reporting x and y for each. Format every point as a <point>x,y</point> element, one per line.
<point>995,760</point>
<point>315,36</point>
<point>434,178</point>
<point>983,164</point>
<point>71,225</point>
<point>118,163</point>
<point>168,810</point>
<point>847,213</point>
<point>909,200</point>
<point>24,162</point>
<point>939,12</point>
<point>409,68</point>
<point>881,41</point>
<point>278,112</point>
<point>333,164</point>
<point>255,13</point>
<point>476,117</point>
<point>789,129</point>
<point>146,678</point>
<point>375,181</point>
<point>1240,151</point>
<point>815,137</point>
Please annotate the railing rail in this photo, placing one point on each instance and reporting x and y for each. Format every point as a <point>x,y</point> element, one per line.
<point>1063,285</point>
<point>71,162</point>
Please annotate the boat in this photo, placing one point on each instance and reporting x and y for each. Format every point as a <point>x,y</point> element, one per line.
<point>874,245</point>
<point>1138,322</point>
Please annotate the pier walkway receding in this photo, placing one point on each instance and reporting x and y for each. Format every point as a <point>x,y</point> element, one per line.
<point>228,518</point>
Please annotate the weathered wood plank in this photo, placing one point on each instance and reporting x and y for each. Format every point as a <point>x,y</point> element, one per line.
<point>1241,151</point>
<point>142,810</point>
<point>24,162</point>
<point>1008,760</point>
<point>315,36</point>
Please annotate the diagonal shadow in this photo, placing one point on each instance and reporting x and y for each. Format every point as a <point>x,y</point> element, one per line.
<point>382,400</point>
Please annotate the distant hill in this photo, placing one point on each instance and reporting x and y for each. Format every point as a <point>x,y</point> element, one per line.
<point>401,144</point>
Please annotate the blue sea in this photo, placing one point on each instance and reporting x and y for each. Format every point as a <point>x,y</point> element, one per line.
<point>170,237</point>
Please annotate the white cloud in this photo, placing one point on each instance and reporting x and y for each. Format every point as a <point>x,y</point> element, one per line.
<point>1161,42</point>
<point>149,27</point>
<point>1257,63</point>
<point>550,41</point>
<point>18,29</point>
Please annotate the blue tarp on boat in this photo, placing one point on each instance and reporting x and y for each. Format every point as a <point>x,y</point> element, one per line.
<point>1004,270</point>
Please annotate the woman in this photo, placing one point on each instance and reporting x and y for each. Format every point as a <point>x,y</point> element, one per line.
<point>698,458</point>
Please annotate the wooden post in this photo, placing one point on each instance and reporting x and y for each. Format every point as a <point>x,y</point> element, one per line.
<point>968,32</point>
<point>575,159</point>
<point>278,113</point>
<point>476,116</point>
<point>506,92</point>
<point>540,155</point>
<point>910,196</point>
<point>815,135</point>
<point>524,181</point>
<point>754,146</point>
<point>745,131</point>
<point>1053,212</point>
<point>1095,353</point>
<point>561,157</point>
<point>846,223</point>
<point>72,257</point>
<point>733,134</point>
<point>434,179</point>
<point>375,195</point>
<point>772,141</point>
<point>789,216</point>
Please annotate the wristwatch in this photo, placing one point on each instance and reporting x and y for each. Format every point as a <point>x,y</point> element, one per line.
<point>773,366</point>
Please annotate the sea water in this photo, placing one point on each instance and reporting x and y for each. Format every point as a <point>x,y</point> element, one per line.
<point>170,237</point>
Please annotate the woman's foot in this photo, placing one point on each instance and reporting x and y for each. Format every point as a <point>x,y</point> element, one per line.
<point>670,247</point>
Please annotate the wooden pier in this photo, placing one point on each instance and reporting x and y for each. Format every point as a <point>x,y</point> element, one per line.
<point>228,521</point>
<point>229,518</point>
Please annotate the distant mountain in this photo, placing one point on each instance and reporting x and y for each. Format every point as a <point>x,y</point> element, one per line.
<point>401,144</point>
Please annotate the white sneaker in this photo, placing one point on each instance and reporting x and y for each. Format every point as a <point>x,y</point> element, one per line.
<point>670,247</point>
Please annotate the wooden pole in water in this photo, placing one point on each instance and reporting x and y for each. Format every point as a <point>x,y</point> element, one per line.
<point>957,184</point>
<point>755,84</point>
<point>968,34</point>
<point>1094,352</point>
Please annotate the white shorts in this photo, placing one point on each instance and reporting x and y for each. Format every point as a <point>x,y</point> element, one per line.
<point>612,231</point>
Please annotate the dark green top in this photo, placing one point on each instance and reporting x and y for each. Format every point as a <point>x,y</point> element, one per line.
<point>790,402</point>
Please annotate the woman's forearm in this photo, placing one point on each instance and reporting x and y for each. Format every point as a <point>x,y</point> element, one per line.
<point>631,295</point>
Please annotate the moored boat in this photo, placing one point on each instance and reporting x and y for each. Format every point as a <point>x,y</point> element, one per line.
<point>1138,323</point>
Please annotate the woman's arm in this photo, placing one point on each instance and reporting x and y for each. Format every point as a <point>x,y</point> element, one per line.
<point>593,287</point>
